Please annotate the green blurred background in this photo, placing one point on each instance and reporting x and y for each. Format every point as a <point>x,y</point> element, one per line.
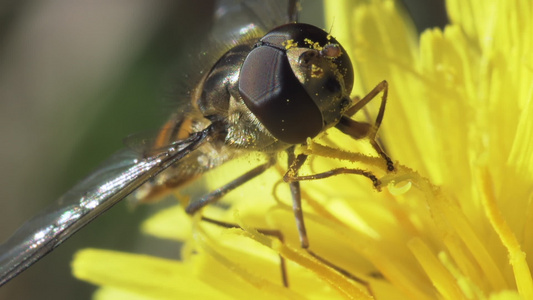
<point>76,77</point>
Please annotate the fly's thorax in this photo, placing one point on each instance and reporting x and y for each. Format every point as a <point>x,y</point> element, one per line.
<point>218,100</point>
<point>214,96</point>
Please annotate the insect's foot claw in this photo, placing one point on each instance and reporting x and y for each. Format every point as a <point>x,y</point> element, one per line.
<point>375,181</point>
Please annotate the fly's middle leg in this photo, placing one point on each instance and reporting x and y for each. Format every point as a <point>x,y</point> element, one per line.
<point>215,195</point>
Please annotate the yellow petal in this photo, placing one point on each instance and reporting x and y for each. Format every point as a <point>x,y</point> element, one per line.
<point>145,275</point>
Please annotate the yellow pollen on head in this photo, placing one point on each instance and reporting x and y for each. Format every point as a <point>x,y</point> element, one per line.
<point>289,44</point>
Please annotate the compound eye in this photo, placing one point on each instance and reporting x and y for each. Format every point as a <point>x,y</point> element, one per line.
<point>307,57</point>
<point>273,93</point>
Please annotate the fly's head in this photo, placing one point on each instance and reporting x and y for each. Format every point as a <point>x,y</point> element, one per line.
<point>297,81</point>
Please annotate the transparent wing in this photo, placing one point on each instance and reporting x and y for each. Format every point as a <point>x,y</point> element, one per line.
<point>125,172</point>
<point>113,181</point>
<point>235,21</point>
<point>235,17</point>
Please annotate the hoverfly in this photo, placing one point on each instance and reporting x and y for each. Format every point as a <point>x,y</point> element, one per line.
<point>280,83</point>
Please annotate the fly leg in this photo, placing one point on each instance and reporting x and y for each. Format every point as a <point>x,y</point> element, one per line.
<point>271,232</point>
<point>215,195</point>
<point>292,177</point>
<point>292,174</point>
<point>220,192</point>
<point>297,197</point>
<point>359,130</point>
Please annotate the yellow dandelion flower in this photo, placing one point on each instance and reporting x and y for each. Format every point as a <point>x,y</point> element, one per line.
<point>452,222</point>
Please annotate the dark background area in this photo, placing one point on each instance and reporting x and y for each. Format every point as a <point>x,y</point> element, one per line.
<point>76,77</point>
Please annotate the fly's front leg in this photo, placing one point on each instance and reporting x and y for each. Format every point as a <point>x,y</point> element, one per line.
<point>359,130</point>
<point>292,177</point>
<point>295,163</point>
<point>337,171</point>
